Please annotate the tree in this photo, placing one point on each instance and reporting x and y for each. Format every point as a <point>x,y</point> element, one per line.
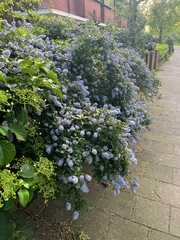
<point>164,17</point>
<point>10,8</point>
<point>130,9</point>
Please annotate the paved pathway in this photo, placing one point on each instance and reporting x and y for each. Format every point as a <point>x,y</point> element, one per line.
<point>154,212</point>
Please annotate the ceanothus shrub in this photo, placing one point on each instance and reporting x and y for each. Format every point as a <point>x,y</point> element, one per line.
<point>98,115</point>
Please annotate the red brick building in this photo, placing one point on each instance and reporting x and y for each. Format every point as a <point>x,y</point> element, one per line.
<point>80,9</point>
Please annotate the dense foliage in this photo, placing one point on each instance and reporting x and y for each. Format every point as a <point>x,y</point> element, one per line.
<point>162,51</point>
<point>49,140</point>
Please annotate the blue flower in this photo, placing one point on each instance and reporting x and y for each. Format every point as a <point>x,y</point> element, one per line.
<point>75,215</point>
<point>68,206</point>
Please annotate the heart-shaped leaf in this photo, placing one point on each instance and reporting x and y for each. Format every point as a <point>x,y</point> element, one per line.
<point>23,197</point>
<point>4,130</point>
<point>19,132</point>
<point>27,171</point>
<point>7,152</point>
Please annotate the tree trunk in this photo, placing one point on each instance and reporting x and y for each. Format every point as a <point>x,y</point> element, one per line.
<point>160,35</point>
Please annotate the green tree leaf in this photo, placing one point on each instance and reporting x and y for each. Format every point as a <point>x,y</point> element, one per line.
<point>27,171</point>
<point>23,197</point>
<point>26,62</point>
<point>7,152</point>
<point>28,71</point>
<point>23,119</point>
<point>58,91</point>
<point>9,204</point>
<point>19,132</point>
<point>2,77</point>
<point>51,74</point>
<point>4,130</point>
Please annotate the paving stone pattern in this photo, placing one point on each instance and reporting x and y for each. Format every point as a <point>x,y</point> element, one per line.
<point>153,213</point>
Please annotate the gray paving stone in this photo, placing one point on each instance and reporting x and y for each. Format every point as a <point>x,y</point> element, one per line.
<point>175,221</point>
<point>169,194</point>
<point>162,147</point>
<point>156,235</point>
<point>176,177</point>
<point>126,230</point>
<point>97,192</point>
<point>177,150</point>
<point>121,205</point>
<point>138,169</point>
<point>152,214</point>
<point>170,160</point>
<point>147,188</point>
<point>94,223</point>
<point>148,156</point>
<point>159,172</point>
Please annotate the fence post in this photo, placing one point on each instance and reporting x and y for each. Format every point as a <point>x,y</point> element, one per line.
<point>152,55</point>
<point>156,59</point>
<point>147,59</point>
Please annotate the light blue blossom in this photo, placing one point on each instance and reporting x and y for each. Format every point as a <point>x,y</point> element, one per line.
<point>6,53</point>
<point>64,146</point>
<point>75,215</point>
<point>94,151</point>
<point>60,162</point>
<point>95,135</point>
<point>89,159</point>
<point>68,206</point>
<point>70,163</point>
<point>49,149</point>
<point>2,65</point>
<point>88,177</point>
<point>84,188</point>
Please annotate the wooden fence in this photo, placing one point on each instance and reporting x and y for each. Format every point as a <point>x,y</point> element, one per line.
<point>152,60</point>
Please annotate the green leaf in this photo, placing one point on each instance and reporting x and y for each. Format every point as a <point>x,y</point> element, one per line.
<point>7,152</point>
<point>9,204</point>
<point>23,119</point>
<point>4,130</point>
<point>26,63</point>
<point>27,171</point>
<point>2,77</point>
<point>58,91</point>
<point>52,75</point>
<point>28,71</point>
<point>6,228</point>
<point>19,132</point>
<point>23,197</point>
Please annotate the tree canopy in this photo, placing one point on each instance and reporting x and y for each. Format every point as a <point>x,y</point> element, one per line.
<point>164,17</point>
<point>13,7</point>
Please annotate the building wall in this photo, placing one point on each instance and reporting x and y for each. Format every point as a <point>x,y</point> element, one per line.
<point>109,14</point>
<point>77,7</point>
<point>82,8</point>
<point>92,6</point>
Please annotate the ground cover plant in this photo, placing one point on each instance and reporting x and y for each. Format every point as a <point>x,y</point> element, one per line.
<point>67,107</point>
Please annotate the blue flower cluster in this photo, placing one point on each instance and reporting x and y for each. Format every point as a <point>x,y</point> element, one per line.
<point>100,113</point>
